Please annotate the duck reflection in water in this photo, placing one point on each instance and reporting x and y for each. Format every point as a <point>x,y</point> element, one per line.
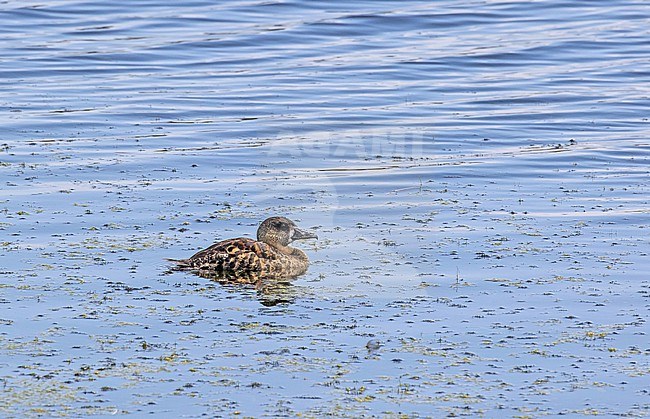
<point>268,292</point>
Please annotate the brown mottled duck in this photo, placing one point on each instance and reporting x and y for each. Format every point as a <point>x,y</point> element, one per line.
<point>247,260</point>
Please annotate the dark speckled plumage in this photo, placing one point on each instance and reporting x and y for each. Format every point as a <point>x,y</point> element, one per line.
<point>248,260</point>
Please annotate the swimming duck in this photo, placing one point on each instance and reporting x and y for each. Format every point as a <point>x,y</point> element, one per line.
<point>247,260</point>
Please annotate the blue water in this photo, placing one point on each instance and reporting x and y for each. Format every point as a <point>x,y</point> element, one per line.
<point>478,174</point>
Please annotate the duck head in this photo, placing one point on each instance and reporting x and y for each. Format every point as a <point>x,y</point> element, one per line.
<point>282,231</point>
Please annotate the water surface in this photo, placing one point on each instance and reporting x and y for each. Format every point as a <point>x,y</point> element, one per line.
<point>477,173</point>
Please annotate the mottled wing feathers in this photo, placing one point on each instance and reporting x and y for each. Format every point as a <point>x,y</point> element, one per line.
<point>242,259</point>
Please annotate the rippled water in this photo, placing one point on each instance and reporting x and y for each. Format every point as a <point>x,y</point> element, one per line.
<point>477,172</point>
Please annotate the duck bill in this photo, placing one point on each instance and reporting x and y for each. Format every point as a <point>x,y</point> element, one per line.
<point>299,234</point>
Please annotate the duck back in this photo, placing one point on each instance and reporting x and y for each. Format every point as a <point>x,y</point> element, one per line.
<point>246,260</point>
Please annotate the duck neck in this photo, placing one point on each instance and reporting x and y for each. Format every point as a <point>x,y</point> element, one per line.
<point>291,251</point>
<point>287,250</point>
